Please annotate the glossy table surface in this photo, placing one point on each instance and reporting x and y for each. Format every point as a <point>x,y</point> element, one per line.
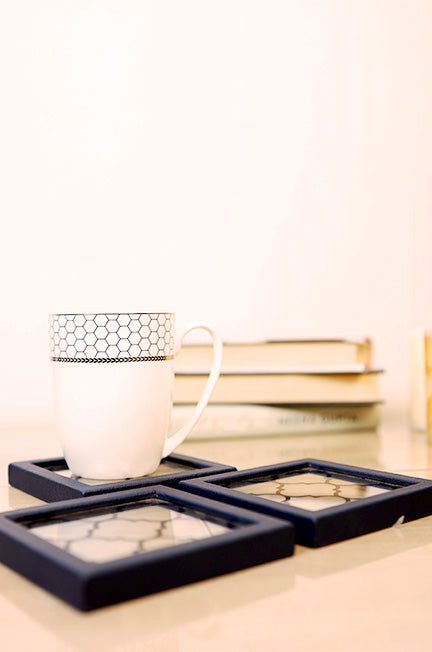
<point>370,593</point>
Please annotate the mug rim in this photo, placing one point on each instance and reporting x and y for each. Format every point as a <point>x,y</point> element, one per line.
<point>86,314</point>
<point>111,336</point>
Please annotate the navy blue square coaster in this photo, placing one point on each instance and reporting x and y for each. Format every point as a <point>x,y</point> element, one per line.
<point>326,502</point>
<point>100,550</point>
<point>51,480</point>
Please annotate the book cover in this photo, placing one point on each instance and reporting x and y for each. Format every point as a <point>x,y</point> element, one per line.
<point>281,388</point>
<point>239,420</point>
<point>325,354</point>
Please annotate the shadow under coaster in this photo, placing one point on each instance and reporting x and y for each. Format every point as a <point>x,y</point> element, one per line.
<point>51,480</point>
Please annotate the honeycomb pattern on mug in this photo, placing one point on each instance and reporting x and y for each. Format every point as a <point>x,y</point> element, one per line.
<point>112,337</point>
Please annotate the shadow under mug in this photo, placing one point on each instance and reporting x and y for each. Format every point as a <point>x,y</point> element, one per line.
<point>114,375</point>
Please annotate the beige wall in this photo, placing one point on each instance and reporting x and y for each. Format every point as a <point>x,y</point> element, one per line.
<point>261,164</point>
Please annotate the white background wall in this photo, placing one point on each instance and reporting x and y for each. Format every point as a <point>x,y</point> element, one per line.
<point>261,164</point>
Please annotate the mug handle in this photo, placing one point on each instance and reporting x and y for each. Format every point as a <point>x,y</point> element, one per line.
<point>176,439</point>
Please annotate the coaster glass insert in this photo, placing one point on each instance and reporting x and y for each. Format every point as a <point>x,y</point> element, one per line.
<point>164,468</point>
<point>312,490</point>
<point>104,535</point>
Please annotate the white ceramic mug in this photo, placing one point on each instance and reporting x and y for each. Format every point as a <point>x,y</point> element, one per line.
<point>114,376</point>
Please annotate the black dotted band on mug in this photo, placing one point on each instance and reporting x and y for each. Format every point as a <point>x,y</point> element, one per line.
<point>143,358</point>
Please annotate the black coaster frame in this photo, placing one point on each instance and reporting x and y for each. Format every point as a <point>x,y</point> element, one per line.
<point>409,498</point>
<point>250,539</point>
<point>40,478</point>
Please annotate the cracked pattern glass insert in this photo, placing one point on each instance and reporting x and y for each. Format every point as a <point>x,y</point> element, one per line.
<point>312,491</point>
<point>106,534</point>
<point>164,468</point>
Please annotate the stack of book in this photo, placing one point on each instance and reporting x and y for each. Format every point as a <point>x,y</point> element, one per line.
<point>280,387</point>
